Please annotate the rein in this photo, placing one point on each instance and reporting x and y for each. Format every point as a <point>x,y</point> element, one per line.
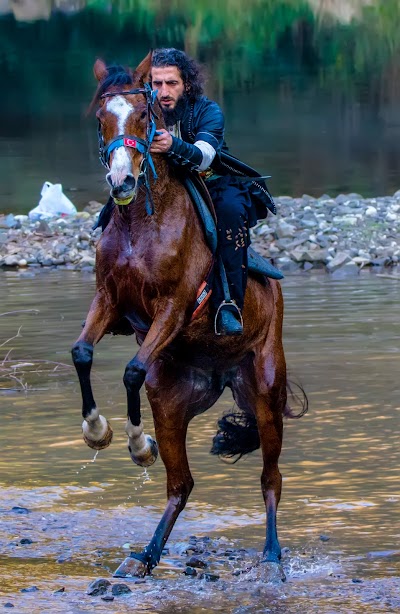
<point>135,142</point>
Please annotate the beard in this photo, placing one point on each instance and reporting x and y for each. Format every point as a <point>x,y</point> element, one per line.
<point>172,116</point>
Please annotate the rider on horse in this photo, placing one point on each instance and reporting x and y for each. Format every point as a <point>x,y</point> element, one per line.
<point>194,139</point>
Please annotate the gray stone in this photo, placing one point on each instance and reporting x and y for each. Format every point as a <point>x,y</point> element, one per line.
<point>338,261</point>
<point>120,589</point>
<point>98,587</point>
<point>44,228</point>
<point>348,270</point>
<point>371,212</point>
<point>11,260</point>
<point>287,265</point>
<point>196,561</point>
<point>9,221</point>
<point>30,589</point>
<point>316,255</point>
<point>309,223</point>
<point>210,577</point>
<point>284,230</point>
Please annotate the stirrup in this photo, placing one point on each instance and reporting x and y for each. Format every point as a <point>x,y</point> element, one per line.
<point>230,303</point>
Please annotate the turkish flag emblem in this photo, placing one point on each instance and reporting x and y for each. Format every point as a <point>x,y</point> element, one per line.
<point>129,142</point>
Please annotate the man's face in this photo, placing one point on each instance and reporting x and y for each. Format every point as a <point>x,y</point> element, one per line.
<point>168,81</point>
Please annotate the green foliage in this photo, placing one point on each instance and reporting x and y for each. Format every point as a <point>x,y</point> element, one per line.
<point>244,45</point>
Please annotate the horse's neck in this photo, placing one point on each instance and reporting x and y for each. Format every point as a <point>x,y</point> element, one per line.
<point>136,216</point>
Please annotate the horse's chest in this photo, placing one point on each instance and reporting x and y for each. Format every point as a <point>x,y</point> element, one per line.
<point>142,270</point>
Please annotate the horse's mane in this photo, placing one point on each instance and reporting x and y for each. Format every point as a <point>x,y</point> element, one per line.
<point>116,75</point>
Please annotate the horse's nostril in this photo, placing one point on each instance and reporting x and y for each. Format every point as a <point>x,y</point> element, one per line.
<point>129,182</point>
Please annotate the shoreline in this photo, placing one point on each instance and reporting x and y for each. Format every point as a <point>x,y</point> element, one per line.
<point>340,236</point>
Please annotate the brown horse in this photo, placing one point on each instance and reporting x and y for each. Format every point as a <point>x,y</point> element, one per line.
<point>151,260</point>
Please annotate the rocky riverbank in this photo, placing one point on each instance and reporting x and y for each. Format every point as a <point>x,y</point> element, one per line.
<point>339,235</point>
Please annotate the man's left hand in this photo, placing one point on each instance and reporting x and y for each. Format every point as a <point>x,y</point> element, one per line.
<point>162,142</point>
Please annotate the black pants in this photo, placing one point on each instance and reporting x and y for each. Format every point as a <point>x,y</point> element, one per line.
<point>232,205</point>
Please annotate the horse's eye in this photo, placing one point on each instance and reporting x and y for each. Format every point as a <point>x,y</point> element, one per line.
<point>143,115</point>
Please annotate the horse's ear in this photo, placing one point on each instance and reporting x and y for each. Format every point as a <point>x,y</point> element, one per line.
<point>100,70</point>
<point>142,72</point>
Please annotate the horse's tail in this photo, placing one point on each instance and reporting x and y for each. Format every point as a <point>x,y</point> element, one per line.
<point>237,432</point>
<point>237,435</point>
<point>298,398</point>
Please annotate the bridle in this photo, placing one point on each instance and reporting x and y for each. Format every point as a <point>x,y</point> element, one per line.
<point>142,145</point>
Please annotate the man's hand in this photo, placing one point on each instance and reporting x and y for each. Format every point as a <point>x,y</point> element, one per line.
<point>162,142</point>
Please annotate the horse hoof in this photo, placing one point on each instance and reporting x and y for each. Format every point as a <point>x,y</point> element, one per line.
<point>149,456</point>
<point>272,572</point>
<point>99,444</point>
<point>131,568</point>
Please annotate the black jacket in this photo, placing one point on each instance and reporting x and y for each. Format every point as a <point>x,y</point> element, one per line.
<point>203,120</point>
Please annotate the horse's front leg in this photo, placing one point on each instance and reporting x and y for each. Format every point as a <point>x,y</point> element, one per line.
<point>142,448</point>
<point>171,417</point>
<point>97,432</point>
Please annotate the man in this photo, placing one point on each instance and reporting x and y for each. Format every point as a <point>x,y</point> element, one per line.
<point>195,138</point>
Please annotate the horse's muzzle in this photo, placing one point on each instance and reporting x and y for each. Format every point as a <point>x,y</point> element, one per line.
<point>123,194</point>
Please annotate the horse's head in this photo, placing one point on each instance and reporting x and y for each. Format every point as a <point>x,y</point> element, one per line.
<point>126,127</point>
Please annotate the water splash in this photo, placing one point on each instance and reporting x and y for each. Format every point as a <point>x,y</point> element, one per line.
<point>91,461</point>
<point>140,480</point>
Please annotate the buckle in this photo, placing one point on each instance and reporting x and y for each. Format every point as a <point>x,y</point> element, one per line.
<point>206,174</point>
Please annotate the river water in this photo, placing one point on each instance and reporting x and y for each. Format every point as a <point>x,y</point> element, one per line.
<point>339,514</point>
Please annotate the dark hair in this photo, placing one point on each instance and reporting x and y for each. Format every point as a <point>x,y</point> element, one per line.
<point>116,75</point>
<point>191,72</point>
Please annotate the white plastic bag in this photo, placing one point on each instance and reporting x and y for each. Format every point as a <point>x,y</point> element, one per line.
<point>53,203</point>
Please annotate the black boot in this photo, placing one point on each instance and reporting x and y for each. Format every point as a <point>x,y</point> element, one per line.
<point>228,321</point>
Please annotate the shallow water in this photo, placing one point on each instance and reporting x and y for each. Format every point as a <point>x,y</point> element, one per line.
<point>340,463</point>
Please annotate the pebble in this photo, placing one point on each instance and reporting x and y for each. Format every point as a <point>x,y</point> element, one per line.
<point>195,561</point>
<point>20,510</point>
<point>98,587</point>
<point>30,589</point>
<point>120,589</point>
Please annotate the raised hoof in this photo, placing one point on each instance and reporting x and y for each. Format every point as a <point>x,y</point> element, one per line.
<point>272,572</point>
<point>131,568</point>
<point>101,443</point>
<point>149,457</point>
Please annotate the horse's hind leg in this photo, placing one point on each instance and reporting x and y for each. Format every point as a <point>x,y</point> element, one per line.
<point>97,432</point>
<point>261,390</point>
<point>268,405</point>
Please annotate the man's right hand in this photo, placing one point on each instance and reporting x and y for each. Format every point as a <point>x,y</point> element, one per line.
<point>162,141</point>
